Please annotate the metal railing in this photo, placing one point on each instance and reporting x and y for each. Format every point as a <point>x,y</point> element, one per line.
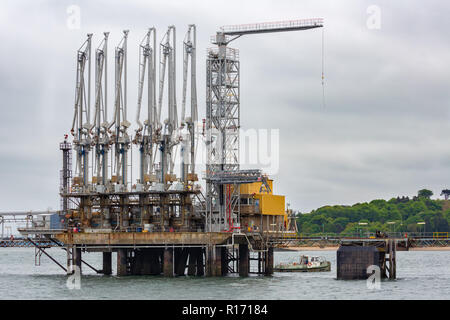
<point>370,235</point>
<point>230,53</point>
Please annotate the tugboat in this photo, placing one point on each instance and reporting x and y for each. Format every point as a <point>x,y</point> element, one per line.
<point>306,264</point>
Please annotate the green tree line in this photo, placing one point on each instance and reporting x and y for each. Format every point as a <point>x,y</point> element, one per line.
<point>401,214</point>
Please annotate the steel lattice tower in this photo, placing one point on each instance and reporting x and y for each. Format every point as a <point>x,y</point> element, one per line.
<point>223,177</point>
<point>222,124</point>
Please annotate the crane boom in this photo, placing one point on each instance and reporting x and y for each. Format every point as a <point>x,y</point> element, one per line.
<point>268,27</point>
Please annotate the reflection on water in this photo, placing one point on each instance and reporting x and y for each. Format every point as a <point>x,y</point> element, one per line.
<point>423,272</point>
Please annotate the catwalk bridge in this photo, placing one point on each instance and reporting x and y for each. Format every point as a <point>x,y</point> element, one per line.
<point>281,240</point>
<point>403,240</point>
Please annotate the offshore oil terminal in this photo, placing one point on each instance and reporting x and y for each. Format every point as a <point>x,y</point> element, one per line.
<point>162,223</point>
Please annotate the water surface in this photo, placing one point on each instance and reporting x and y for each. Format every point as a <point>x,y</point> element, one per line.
<point>421,275</point>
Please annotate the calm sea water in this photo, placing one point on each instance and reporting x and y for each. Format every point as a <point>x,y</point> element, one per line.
<point>421,275</point>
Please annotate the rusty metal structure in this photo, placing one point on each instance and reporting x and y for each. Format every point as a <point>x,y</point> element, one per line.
<point>163,223</point>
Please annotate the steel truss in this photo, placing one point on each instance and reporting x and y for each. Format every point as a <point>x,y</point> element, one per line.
<point>222,125</point>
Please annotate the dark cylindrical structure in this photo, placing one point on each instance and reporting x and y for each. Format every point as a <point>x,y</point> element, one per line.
<point>268,268</point>
<point>168,268</point>
<point>77,258</point>
<point>122,262</point>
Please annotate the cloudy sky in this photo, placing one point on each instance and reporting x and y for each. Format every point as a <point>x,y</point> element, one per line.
<point>381,133</point>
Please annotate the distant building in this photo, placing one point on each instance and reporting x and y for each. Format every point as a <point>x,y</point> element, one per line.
<point>48,221</point>
<point>55,221</point>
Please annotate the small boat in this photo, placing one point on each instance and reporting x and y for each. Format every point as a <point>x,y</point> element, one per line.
<point>306,264</point>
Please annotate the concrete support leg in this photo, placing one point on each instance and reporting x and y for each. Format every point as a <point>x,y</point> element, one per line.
<point>107,263</point>
<point>259,263</point>
<point>168,262</point>
<point>213,263</point>
<point>224,260</point>
<point>77,258</point>
<point>137,263</point>
<point>69,251</point>
<point>217,261</point>
<point>161,259</point>
<point>382,264</point>
<point>146,262</point>
<point>193,257</point>
<point>208,261</point>
<point>244,260</point>
<point>269,261</point>
<point>122,262</point>
<point>181,261</point>
<point>155,261</point>
<point>200,263</point>
<point>176,260</point>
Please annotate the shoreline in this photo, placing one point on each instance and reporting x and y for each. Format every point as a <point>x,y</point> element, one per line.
<point>430,249</point>
<point>335,248</point>
<point>296,248</point>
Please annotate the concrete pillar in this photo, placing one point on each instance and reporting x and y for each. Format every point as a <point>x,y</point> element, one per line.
<point>208,261</point>
<point>213,264</point>
<point>259,263</point>
<point>146,262</point>
<point>155,261</point>
<point>176,260</point>
<point>224,260</point>
<point>268,268</point>
<point>217,261</point>
<point>243,260</point>
<point>77,258</point>
<point>122,262</point>
<point>200,263</point>
<point>181,261</point>
<point>193,256</point>
<point>168,262</point>
<point>137,263</point>
<point>69,251</point>
<point>107,263</point>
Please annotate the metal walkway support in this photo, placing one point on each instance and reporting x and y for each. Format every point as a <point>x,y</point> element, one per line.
<point>43,251</point>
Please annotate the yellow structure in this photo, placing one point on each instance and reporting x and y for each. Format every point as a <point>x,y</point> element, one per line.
<point>261,208</point>
<point>270,204</point>
<point>257,188</point>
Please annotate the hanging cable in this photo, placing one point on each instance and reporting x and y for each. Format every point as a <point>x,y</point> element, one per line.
<point>323,78</point>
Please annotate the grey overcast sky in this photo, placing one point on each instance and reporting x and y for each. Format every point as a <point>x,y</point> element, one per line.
<point>382,133</point>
